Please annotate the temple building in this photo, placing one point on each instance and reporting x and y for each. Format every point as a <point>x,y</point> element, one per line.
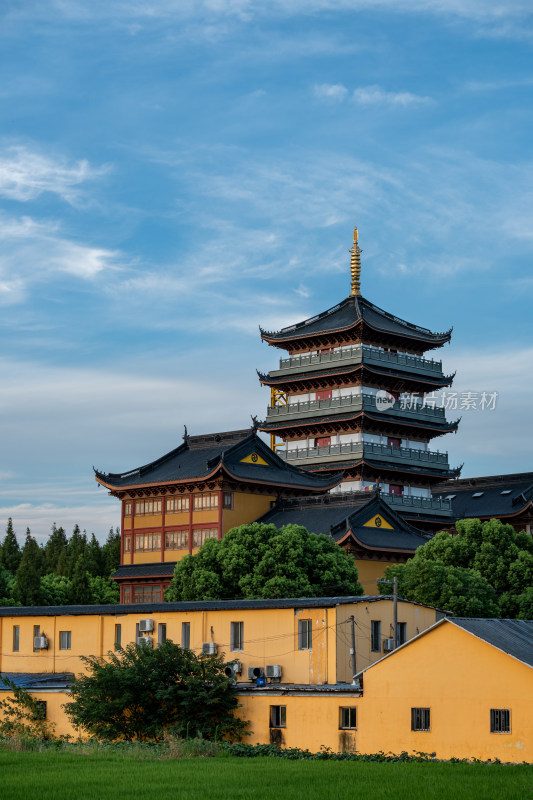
<point>356,392</point>
<point>508,498</point>
<point>199,491</point>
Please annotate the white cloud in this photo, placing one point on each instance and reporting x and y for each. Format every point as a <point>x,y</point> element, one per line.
<point>331,92</point>
<point>34,251</point>
<point>375,96</point>
<point>25,174</point>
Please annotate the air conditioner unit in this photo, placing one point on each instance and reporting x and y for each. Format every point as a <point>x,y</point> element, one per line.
<point>273,671</point>
<point>232,668</point>
<point>255,672</point>
<point>209,648</point>
<point>145,641</point>
<point>146,625</point>
<point>388,645</point>
<point>40,643</point>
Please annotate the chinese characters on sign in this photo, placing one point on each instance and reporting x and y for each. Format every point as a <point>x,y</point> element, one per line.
<point>454,401</point>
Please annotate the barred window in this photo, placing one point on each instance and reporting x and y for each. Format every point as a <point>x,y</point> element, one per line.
<point>144,507</point>
<point>147,542</point>
<point>41,709</point>
<point>402,633</point>
<point>127,508</point>
<point>205,501</point>
<point>420,719</point>
<point>147,594</point>
<point>176,504</point>
<point>127,544</point>
<point>237,636</point>
<point>500,720</point>
<point>278,716</point>
<point>305,634</point>
<point>176,540</point>
<point>348,718</point>
<point>201,535</point>
<point>186,635</point>
<point>228,500</point>
<point>375,635</point>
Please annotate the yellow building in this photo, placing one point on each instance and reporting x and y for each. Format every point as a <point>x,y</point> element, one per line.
<point>463,688</point>
<point>302,648</point>
<point>199,491</point>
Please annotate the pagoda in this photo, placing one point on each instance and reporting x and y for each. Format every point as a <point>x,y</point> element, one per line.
<point>356,392</point>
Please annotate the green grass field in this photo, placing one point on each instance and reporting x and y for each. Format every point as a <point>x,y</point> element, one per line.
<point>98,776</point>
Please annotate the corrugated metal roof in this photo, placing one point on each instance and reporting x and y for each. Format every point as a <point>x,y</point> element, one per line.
<point>513,636</point>
<point>37,680</point>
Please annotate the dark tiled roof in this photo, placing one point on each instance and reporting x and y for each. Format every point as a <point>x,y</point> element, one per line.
<point>349,369</point>
<point>116,609</point>
<point>336,520</point>
<point>387,416</point>
<point>349,313</point>
<point>478,499</point>
<point>201,456</point>
<point>37,680</point>
<point>513,636</point>
<point>155,570</point>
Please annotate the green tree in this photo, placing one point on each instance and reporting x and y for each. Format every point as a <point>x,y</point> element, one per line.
<point>139,693</point>
<point>10,553</point>
<point>94,558</point>
<point>261,560</point>
<point>28,576</point>
<point>103,590</point>
<point>55,590</point>
<point>111,552</point>
<point>80,589</point>
<point>7,585</point>
<point>459,589</point>
<point>77,546</point>
<point>21,715</point>
<point>55,550</point>
<point>486,570</point>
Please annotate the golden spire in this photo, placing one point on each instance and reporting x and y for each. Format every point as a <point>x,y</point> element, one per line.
<point>355,265</point>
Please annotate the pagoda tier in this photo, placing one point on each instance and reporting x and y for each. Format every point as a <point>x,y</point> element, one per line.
<point>357,393</point>
<point>355,321</point>
<point>352,414</point>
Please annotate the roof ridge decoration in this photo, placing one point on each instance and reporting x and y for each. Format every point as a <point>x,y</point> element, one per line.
<point>355,264</point>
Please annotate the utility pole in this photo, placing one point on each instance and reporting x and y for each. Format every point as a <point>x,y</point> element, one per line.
<point>395,600</point>
<point>395,606</point>
<point>354,662</point>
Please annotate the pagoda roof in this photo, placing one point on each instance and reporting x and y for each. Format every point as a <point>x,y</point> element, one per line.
<point>230,453</point>
<point>383,466</point>
<point>387,416</point>
<point>355,521</point>
<point>348,369</point>
<point>349,313</point>
<point>490,496</point>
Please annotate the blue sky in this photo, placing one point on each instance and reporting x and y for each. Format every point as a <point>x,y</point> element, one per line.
<point>173,174</point>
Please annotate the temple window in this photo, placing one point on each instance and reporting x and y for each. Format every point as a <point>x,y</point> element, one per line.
<point>176,540</point>
<point>176,504</point>
<point>202,535</point>
<point>143,507</point>
<point>203,502</point>
<point>147,542</point>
